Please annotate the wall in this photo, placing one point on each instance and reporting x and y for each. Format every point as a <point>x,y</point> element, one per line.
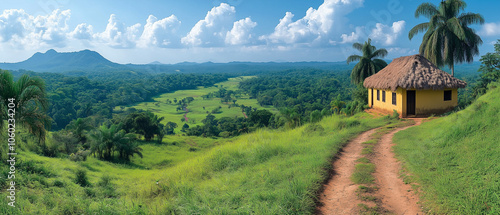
<point>427,101</point>
<point>387,106</point>
<point>432,101</point>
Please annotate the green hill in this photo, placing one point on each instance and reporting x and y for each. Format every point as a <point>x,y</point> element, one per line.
<point>456,159</point>
<point>265,172</point>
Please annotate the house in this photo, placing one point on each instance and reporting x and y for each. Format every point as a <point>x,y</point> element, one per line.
<point>413,86</point>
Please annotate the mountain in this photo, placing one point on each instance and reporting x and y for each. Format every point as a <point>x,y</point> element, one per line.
<point>53,61</point>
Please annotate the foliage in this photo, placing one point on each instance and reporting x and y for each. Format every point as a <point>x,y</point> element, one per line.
<point>448,39</point>
<point>81,178</point>
<point>144,123</point>
<point>490,71</point>
<point>367,65</point>
<point>105,141</point>
<point>29,98</point>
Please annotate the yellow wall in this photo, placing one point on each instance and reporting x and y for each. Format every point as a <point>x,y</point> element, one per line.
<point>387,106</point>
<point>432,101</point>
<point>427,102</point>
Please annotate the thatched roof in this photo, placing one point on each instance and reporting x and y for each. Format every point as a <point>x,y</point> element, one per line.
<point>412,72</point>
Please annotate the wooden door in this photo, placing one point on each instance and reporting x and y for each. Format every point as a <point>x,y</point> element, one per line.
<point>410,102</point>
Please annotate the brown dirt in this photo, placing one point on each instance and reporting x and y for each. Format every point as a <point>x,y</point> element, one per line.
<point>393,196</point>
<point>339,195</point>
<point>396,196</point>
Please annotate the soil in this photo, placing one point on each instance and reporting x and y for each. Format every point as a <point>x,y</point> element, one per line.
<point>339,195</point>
<point>396,196</point>
<point>393,196</point>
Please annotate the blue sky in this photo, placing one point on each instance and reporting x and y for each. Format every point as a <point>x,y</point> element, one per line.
<point>219,30</point>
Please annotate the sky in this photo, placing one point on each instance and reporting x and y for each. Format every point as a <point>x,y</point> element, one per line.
<point>167,31</point>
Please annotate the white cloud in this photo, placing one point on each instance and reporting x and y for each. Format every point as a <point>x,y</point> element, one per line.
<point>354,37</point>
<point>117,35</point>
<point>317,26</point>
<point>82,31</point>
<point>212,30</point>
<point>23,30</point>
<point>241,32</point>
<point>387,35</point>
<point>490,29</point>
<point>161,33</point>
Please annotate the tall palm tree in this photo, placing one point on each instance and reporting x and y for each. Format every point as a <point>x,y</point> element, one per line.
<point>448,38</point>
<point>28,94</point>
<point>367,65</point>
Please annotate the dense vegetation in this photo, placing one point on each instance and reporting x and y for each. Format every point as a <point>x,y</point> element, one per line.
<point>80,97</point>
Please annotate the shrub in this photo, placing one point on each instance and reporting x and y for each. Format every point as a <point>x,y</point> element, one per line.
<point>81,178</point>
<point>58,183</point>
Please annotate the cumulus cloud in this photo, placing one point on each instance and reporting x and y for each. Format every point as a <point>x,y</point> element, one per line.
<point>387,34</point>
<point>161,33</point>
<point>82,31</point>
<point>317,26</point>
<point>23,30</point>
<point>490,29</point>
<point>353,37</point>
<point>212,30</point>
<point>241,32</point>
<point>116,35</point>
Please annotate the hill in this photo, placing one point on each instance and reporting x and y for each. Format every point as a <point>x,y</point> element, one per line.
<point>455,159</point>
<point>53,61</point>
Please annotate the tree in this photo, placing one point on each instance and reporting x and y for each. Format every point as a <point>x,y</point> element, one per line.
<point>260,117</point>
<point>367,65</point>
<point>107,140</point>
<point>337,104</point>
<point>144,123</point>
<point>30,102</point>
<point>490,70</point>
<point>448,38</point>
<point>169,128</point>
<point>79,127</point>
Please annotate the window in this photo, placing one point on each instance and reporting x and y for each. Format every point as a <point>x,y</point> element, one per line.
<point>447,95</point>
<point>383,96</point>
<point>378,95</point>
<point>394,98</point>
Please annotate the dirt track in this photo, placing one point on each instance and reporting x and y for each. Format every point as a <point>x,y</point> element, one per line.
<point>393,196</point>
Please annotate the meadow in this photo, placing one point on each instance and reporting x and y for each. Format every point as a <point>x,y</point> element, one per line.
<point>455,159</point>
<point>200,106</point>
<point>265,172</point>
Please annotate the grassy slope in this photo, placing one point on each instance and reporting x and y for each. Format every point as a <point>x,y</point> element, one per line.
<point>196,111</point>
<point>266,172</point>
<point>456,159</point>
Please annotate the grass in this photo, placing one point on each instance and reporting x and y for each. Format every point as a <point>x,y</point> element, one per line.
<point>455,159</point>
<point>266,172</point>
<point>196,111</point>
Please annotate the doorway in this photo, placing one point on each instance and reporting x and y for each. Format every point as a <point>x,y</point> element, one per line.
<point>410,102</point>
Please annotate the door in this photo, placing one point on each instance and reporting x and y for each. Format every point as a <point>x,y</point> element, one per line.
<point>410,102</point>
<point>372,98</point>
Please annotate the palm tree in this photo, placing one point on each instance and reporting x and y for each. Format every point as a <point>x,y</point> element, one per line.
<point>107,140</point>
<point>28,96</point>
<point>79,127</point>
<point>448,38</point>
<point>366,66</point>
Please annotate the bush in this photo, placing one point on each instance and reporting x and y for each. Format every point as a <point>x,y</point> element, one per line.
<point>81,178</point>
<point>58,183</point>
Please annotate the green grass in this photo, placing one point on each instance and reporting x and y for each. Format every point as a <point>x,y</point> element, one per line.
<point>266,172</point>
<point>455,159</point>
<point>363,173</point>
<point>196,112</point>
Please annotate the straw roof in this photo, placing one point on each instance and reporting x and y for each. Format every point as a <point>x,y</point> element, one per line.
<point>412,72</point>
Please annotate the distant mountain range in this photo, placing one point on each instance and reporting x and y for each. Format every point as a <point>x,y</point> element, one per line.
<point>90,62</point>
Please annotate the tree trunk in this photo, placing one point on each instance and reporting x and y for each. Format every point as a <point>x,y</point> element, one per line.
<point>452,70</point>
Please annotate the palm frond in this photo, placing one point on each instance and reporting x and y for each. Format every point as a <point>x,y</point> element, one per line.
<point>422,27</point>
<point>471,18</point>
<point>426,9</point>
<point>353,58</point>
<point>381,53</point>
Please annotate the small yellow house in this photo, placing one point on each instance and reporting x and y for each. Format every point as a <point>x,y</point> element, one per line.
<point>413,86</point>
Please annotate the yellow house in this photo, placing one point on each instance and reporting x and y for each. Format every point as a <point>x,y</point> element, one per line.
<point>413,86</point>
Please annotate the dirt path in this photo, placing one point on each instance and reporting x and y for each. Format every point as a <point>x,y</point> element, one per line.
<point>396,196</point>
<point>185,115</point>
<point>339,195</point>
